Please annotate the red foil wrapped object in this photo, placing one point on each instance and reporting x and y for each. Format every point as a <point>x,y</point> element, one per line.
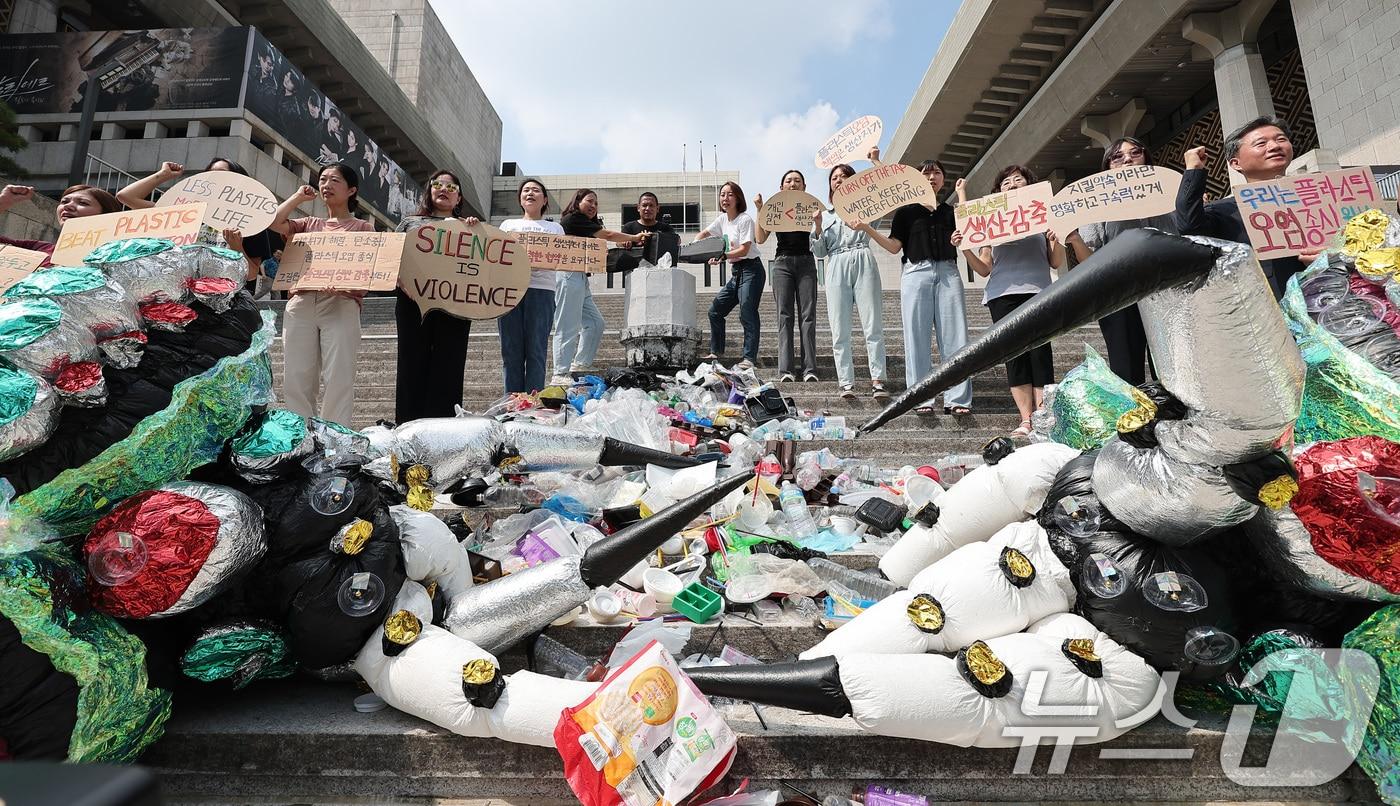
<point>179,532</point>
<point>78,376</point>
<point>1345,530</point>
<point>168,315</point>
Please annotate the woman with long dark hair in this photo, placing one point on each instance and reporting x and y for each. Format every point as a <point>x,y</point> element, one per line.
<point>76,202</point>
<point>321,329</point>
<point>525,329</point>
<point>852,276</point>
<point>794,272</point>
<point>1122,331</point>
<point>578,326</point>
<point>432,349</point>
<point>745,286</point>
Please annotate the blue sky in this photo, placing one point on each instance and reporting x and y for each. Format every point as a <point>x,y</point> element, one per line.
<point>619,86</point>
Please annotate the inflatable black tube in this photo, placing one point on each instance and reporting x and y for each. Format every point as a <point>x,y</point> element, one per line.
<point>1130,267</point>
<point>617,453</point>
<point>805,685</point>
<point>607,560</point>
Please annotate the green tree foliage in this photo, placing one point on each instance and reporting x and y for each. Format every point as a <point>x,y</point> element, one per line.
<point>10,142</point>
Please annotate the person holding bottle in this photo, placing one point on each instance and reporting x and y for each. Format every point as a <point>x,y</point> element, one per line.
<point>852,276</point>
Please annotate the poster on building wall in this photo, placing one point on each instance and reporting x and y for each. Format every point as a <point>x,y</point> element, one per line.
<point>288,103</point>
<point>1296,214</point>
<point>167,68</point>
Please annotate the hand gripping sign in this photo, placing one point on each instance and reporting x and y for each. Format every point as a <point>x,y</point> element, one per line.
<point>474,272</point>
<point>234,201</point>
<point>853,142</point>
<point>789,211</point>
<point>546,251</point>
<point>340,261</point>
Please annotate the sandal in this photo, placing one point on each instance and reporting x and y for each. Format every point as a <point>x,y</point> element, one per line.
<point>957,411</point>
<point>1022,430</point>
<point>925,409</point>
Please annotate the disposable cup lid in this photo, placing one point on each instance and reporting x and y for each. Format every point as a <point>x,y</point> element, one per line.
<point>369,703</point>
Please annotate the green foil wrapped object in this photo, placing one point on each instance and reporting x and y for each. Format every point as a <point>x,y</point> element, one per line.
<point>280,431</point>
<point>56,281</point>
<point>241,652</point>
<point>1343,394</point>
<point>1379,636</point>
<point>25,320</point>
<point>17,392</point>
<point>204,412</point>
<point>1088,403</point>
<point>127,249</point>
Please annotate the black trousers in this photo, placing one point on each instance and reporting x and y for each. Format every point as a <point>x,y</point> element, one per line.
<point>1127,345</point>
<point>432,361</point>
<point>1034,367</point>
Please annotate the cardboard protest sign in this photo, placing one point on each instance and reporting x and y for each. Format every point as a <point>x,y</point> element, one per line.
<point>340,261</point>
<point>234,201</point>
<point>1003,217</point>
<point>789,211</point>
<point>1297,214</point>
<point>876,192</point>
<point>475,272</point>
<point>79,236</point>
<point>852,143</point>
<point>17,263</point>
<point>549,252</point>
<point>1120,194</point>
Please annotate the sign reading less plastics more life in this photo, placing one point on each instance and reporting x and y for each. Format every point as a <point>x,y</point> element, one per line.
<point>340,261</point>
<point>1297,214</point>
<point>234,201</point>
<point>79,236</point>
<point>853,142</point>
<point>549,252</point>
<point>475,272</point>
<point>17,263</point>
<point>789,211</point>
<point>876,192</point>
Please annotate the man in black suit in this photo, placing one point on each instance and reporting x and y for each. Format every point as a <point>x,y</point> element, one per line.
<point>1260,150</point>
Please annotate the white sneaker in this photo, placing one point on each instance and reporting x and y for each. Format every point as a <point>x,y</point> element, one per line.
<point>561,380</point>
<point>583,370</point>
<point>848,392</point>
<point>744,366</point>
<point>787,377</point>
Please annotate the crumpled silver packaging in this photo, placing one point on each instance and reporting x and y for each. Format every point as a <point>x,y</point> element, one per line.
<point>216,261</point>
<point>150,269</point>
<point>536,448</point>
<point>1285,545</point>
<point>36,336</point>
<point>88,299</point>
<point>1221,345</point>
<point>240,544</point>
<point>28,412</point>
<point>451,447</point>
<point>501,613</point>
<point>1162,498</point>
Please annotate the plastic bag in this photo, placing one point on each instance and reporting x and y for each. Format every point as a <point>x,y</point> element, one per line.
<point>1087,404</point>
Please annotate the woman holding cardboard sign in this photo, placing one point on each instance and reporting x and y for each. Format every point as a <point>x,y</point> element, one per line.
<point>794,273</point>
<point>578,326</point>
<point>433,348</point>
<point>1017,271</point>
<point>852,276</point>
<point>321,329</point>
<point>745,286</point>
<point>76,202</point>
<point>525,330</point>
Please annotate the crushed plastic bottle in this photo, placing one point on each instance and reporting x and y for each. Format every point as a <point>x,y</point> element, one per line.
<point>866,586</point>
<point>800,523</point>
<point>809,471</point>
<point>513,495</point>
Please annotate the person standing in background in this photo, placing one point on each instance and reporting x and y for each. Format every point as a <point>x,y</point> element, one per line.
<point>794,274</point>
<point>745,286</point>
<point>525,329</point>
<point>648,208</point>
<point>321,329</point>
<point>852,275</point>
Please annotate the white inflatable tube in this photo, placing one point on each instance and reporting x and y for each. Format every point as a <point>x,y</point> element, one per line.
<point>431,552</point>
<point>985,500</point>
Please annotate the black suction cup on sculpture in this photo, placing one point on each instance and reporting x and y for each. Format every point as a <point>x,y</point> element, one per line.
<point>617,453</point>
<point>1128,268</point>
<point>805,685</point>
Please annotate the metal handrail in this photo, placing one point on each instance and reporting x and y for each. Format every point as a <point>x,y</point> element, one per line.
<point>100,173</point>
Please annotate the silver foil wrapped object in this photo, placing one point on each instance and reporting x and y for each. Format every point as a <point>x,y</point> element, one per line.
<point>534,448</point>
<point>1221,345</point>
<point>1165,499</point>
<point>463,447</point>
<point>35,336</point>
<point>146,274</point>
<point>88,299</point>
<point>501,613</point>
<point>28,412</point>
<point>1285,545</point>
<point>215,261</point>
<point>240,544</point>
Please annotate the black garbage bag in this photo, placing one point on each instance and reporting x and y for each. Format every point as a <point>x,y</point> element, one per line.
<point>38,703</point>
<point>294,528</point>
<point>1076,480</point>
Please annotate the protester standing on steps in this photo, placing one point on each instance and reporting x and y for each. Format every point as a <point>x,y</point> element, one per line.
<point>851,276</point>
<point>1122,331</point>
<point>930,291</point>
<point>794,272</point>
<point>745,286</point>
<point>321,329</point>
<point>1017,271</point>
<point>578,326</point>
<point>432,349</point>
<point>76,202</point>
<point>525,330</point>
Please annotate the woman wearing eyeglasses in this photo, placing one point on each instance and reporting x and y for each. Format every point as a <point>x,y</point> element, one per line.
<point>1122,331</point>
<point>432,349</point>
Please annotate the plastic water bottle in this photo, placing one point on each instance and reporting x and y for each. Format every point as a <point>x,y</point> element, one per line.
<point>809,472</point>
<point>799,518</point>
<point>867,586</point>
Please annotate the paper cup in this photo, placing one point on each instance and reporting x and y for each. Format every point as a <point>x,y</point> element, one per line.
<point>662,585</point>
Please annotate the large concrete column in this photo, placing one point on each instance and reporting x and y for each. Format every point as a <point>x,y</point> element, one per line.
<point>1229,37</point>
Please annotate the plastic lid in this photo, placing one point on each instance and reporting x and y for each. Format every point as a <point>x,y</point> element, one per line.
<point>369,703</point>
<point>748,588</point>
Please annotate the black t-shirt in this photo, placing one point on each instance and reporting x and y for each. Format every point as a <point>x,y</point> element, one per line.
<point>926,234</point>
<point>263,245</point>
<point>793,244</point>
<point>637,227</point>
<point>579,225</point>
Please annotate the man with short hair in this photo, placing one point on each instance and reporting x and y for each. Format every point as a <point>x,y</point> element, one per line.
<point>648,208</point>
<point>1260,150</point>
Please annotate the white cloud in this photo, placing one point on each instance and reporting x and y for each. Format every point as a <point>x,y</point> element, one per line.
<point>612,86</point>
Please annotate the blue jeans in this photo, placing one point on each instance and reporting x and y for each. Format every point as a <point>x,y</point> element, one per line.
<point>931,301</point>
<point>525,340</point>
<point>578,326</point>
<point>745,289</point>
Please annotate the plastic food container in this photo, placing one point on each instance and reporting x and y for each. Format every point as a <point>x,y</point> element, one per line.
<point>697,603</point>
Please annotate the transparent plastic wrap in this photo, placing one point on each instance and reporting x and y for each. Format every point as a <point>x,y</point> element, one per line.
<point>628,415</point>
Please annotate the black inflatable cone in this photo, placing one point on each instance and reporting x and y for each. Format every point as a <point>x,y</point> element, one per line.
<point>1131,266</point>
<point>617,453</point>
<point>607,560</point>
<point>805,685</point>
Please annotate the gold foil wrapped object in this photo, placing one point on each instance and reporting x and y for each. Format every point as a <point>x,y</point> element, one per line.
<point>1017,567</point>
<point>432,590</point>
<point>926,613</point>
<point>1378,264</point>
<point>478,672</point>
<point>1082,648</point>
<point>420,495</point>
<point>1138,417</point>
<point>402,628</point>
<point>1277,493</point>
<point>352,537</point>
<point>1364,232</point>
<point>983,664</point>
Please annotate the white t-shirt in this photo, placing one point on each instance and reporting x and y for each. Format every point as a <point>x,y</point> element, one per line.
<point>739,231</point>
<point>538,279</point>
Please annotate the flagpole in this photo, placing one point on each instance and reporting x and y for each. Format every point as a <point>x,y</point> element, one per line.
<point>684,188</point>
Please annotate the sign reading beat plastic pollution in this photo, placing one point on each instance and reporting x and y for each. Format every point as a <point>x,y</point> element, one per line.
<point>876,192</point>
<point>234,201</point>
<point>17,263</point>
<point>549,252</point>
<point>852,143</point>
<point>789,211</point>
<point>1003,217</point>
<point>340,261</point>
<point>475,272</point>
<point>1121,194</point>
<point>1297,214</point>
<point>178,223</point>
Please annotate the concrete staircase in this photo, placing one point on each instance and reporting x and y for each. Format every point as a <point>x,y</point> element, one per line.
<point>303,742</point>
